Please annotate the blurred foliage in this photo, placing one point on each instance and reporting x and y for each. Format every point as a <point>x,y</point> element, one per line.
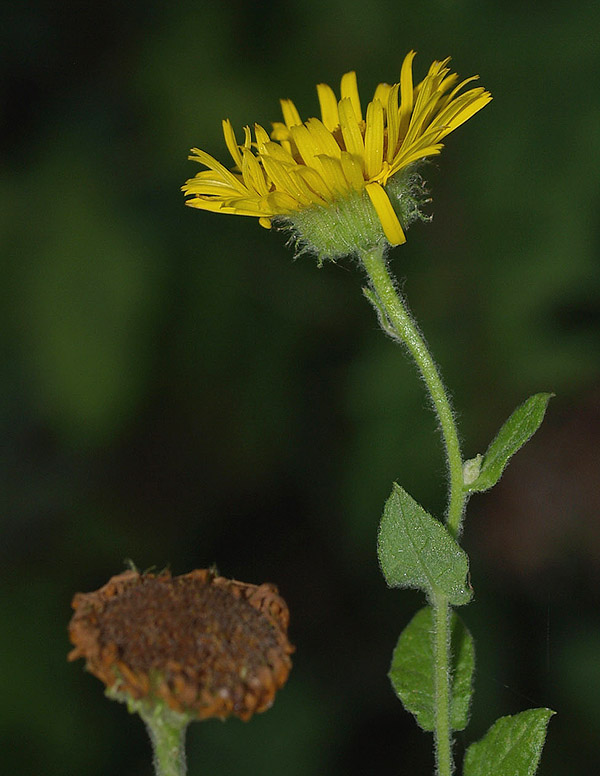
<point>176,389</point>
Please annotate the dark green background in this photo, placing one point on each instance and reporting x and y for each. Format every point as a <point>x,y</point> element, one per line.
<point>177,390</point>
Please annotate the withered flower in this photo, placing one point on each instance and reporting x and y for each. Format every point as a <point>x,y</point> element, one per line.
<point>204,645</point>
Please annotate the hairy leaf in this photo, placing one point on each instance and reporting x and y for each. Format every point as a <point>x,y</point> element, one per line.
<point>483,473</point>
<point>412,670</point>
<point>416,550</point>
<point>513,745</point>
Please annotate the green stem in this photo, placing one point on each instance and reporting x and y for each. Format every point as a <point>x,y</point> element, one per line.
<point>167,734</point>
<point>443,731</point>
<point>396,320</point>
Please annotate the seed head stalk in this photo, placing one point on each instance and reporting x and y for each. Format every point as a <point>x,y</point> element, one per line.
<point>167,733</point>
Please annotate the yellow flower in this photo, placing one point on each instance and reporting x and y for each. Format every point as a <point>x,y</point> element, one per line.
<point>344,167</point>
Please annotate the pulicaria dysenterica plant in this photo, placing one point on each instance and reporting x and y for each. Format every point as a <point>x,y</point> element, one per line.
<point>349,183</point>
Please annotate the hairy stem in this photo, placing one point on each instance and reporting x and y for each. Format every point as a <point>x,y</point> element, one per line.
<point>167,734</point>
<point>441,652</point>
<point>397,322</point>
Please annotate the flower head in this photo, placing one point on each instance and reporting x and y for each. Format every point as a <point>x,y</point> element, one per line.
<point>204,645</point>
<point>346,181</point>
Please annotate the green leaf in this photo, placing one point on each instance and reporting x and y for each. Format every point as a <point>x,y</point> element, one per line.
<point>412,670</point>
<point>415,550</point>
<point>513,745</point>
<point>483,473</point>
<point>463,665</point>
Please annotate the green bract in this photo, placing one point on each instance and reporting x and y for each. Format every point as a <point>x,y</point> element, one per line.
<point>350,224</point>
<point>340,229</point>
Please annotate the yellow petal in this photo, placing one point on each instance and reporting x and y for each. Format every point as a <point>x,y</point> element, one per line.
<point>254,177</point>
<point>265,222</point>
<point>209,188</point>
<point>462,109</point>
<point>309,146</point>
<point>349,89</point>
<point>290,114</point>
<point>280,131</point>
<point>352,170</point>
<point>248,207</point>
<point>328,103</point>
<point>446,83</point>
<point>422,114</point>
<point>231,142</point>
<point>323,138</point>
<point>222,172</point>
<point>208,204</point>
<point>201,180</point>
<point>279,174</point>
<point>423,105</point>
<point>306,144</point>
<point>381,93</point>
<point>289,147</point>
<point>389,220</point>
<point>219,207</point>
<point>424,145</point>
<point>437,70</point>
<point>281,203</point>
<point>393,123</point>
<point>374,139</point>
<point>334,176</point>
<point>314,181</point>
<point>351,133</point>
<point>278,152</point>
<point>411,155</point>
<point>308,192</point>
<point>262,137</point>
<point>457,89</point>
<point>406,92</point>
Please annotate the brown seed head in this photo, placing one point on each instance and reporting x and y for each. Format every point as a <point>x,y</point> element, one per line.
<point>206,645</point>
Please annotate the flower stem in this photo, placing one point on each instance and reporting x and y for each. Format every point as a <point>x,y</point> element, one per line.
<point>443,731</point>
<point>397,322</point>
<point>167,734</point>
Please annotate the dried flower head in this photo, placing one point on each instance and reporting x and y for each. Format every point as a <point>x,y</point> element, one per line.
<point>205,645</point>
<point>345,182</point>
